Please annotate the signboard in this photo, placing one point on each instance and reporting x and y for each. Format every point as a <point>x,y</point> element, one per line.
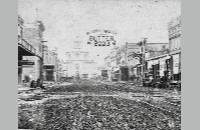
<point>175,64</point>
<point>26,62</point>
<point>162,66</point>
<point>49,69</point>
<point>101,38</point>
<point>132,47</point>
<point>149,64</point>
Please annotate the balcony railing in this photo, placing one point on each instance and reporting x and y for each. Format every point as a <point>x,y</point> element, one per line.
<point>26,45</point>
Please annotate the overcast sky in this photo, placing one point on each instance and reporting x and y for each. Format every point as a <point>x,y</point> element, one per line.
<point>64,20</point>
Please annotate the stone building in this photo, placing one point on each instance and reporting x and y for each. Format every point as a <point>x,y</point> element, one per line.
<point>78,63</point>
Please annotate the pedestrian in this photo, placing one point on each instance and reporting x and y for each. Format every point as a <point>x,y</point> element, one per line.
<point>33,84</point>
<point>41,84</point>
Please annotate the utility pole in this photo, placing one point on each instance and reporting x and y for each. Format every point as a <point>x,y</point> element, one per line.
<point>42,63</point>
<point>143,49</point>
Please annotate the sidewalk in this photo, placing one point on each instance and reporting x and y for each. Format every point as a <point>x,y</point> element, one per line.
<point>27,88</point>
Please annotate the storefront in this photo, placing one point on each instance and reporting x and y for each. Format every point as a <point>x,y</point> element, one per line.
<point>155,69</point>
<point>124,73</point>
<point>158,67</point>
<point>49,73</point>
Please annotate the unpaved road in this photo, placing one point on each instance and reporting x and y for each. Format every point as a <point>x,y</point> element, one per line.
<point>88,105</point>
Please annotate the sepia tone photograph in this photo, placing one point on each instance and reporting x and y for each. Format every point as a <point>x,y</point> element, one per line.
<point>99,64</point>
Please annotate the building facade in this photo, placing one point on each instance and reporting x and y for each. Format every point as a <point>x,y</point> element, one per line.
<point>128,60</point>
<point>78,64</point>
<point>33,33</point>
<point>25,50</point>
<point>110,63</point>
<point>174,30</point>
<point>51,64</point>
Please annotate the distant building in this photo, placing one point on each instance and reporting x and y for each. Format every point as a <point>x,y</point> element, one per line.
<point>124,62</point>
<point>51,64</point>
<point>79,64</point>
<point>110,63</point>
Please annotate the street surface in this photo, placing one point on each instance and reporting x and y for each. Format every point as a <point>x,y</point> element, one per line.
<point>92,105</point>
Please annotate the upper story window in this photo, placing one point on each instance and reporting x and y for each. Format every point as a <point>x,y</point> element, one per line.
<point>85,56</point>
<point>77,55</point>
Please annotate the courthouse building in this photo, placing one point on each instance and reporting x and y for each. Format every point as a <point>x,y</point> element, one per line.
<point>79,64</point>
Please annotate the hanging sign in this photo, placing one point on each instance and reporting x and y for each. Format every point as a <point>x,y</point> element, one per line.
<point>101,38</point>
<point>26,62</point>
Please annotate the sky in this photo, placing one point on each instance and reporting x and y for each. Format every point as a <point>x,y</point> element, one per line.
<point>67,21</point>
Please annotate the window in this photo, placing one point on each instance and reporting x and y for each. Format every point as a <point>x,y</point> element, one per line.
<point>77,56</point>
<point>69,56</point>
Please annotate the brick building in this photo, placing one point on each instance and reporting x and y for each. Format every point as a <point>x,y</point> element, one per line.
<point>174,29</point>
<point>33,34</point>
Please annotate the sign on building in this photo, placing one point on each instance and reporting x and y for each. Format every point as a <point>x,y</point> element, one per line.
<point>26,62</point>
<point>102,38</point>
<point>133,48</point>
<point>175,64</point>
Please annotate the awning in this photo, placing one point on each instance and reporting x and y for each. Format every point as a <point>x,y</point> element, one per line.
<point>24,52</point>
